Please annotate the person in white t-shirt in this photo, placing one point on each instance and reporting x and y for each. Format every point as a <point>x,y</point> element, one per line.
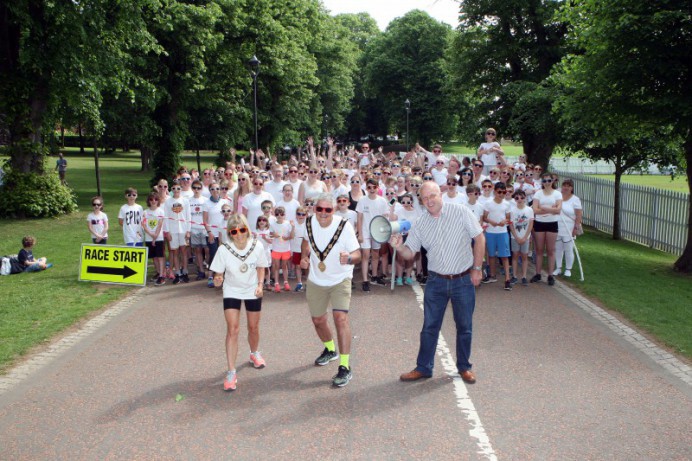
<point>130,219</point>
<point>296,244</point>
<point>177,232</point>
<point>152,225</point>
<point>239,266</point>
<point>405,210</point>
<point>496,213</point>
<point>185,181</point>
<point>329,281</point>
<point>252,202</point>
<point>547,204</point>
<point>521,225</point>
<point>97,222</point>
<point>281,232</point>
<point>342,210</point>
<point>368,207</point>
<point>276,185</point>
<point>452,194</point>
<point>289,203</point>
<point>490,151</point>
<point>568,226</point>
<point>472,194</point>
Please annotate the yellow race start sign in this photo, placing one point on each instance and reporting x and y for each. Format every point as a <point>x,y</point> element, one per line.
<point>113,264</point>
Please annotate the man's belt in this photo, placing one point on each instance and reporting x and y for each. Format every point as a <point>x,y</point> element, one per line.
<point>454,276</point>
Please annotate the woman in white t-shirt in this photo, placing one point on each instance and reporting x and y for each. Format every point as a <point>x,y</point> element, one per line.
<point>239,266</point>
<point>547,204</point>
<point>569,226</point>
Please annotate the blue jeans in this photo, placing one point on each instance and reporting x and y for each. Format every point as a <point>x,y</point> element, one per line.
<point>438,293</point>
<point>213,248</point>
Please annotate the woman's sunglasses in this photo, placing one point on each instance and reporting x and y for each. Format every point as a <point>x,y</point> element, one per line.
<point>235,231</point>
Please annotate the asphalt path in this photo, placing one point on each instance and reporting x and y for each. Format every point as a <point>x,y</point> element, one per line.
<point>553,384</point>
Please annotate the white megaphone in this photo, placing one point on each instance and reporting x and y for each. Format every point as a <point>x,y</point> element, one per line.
<point>381,229</point>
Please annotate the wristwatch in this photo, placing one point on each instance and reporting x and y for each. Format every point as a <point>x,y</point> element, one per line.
<point>477,268</point>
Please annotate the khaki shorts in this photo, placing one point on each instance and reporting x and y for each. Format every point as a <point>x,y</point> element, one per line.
<point>319,297</point>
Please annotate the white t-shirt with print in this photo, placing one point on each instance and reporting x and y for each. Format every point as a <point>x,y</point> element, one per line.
<point>196,209</point>
<point>237,284</point>
<point>177,212</point>
<point>98,223</point>
<point>335,272</point>
<point>521,219</point>
<point>151,221</point>
<point>132,222</point>
<point>253,204</point>
<point>281,242</point>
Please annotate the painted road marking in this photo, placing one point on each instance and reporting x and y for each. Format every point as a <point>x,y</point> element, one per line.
<point>464,402</point>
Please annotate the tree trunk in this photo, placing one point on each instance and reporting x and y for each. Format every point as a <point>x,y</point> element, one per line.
<point>537,148</point>
<point>81,138</point>
<point>684,262</point>
<point>146,158</point>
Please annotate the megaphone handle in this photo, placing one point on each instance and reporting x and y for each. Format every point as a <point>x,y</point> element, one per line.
<point>393,268</point>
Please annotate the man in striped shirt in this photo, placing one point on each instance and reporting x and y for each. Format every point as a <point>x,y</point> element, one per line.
<point>455,243</point>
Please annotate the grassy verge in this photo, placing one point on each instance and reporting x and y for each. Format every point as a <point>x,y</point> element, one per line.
<point>460,150</point>
<point>677,184</point>
<point>639,283</point>
<point>38,305</point>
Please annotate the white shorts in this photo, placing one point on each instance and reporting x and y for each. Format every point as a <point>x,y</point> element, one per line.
<point>177,241</point>
<point>369,243</point>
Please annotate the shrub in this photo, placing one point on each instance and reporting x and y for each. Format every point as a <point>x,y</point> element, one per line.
<point>31,195</point>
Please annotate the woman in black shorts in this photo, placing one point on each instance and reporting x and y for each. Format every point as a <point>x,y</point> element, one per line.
<point>547,204</point>
<point>239,266</point>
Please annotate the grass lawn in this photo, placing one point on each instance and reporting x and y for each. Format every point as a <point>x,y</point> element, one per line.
<point>460,150</point>
<point>39,305</point>
<point>679,184</point>
<point>639,283</point>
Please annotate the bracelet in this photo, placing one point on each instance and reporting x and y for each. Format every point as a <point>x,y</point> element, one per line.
<point>349,260</point>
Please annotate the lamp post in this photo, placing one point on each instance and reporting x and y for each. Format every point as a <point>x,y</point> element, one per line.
<point>326,126</point>
<point>407,103</point>
<point>254,71</point>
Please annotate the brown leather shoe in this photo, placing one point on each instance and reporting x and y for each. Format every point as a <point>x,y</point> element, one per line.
<point>413,375</point>
<point>468,376</point>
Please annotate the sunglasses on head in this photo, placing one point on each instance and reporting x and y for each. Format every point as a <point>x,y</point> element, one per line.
<point>235,231</point>
<point>321,209</point>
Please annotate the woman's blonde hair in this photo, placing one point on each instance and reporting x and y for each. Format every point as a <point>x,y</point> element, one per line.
<point>236,220</point>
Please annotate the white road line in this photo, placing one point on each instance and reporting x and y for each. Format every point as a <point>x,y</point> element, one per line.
<point>464,402</point>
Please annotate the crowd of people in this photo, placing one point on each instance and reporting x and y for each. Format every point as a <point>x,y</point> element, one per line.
<point>255,224</point>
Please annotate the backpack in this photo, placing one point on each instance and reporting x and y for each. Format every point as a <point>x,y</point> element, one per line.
<point>10,265</point>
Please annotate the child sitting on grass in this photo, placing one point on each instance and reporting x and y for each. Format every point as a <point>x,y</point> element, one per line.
<point>26,257</point>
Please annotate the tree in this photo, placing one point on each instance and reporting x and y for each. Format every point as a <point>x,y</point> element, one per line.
<point>501,55</point>
<point>633,60</point>
<point>407,61</point>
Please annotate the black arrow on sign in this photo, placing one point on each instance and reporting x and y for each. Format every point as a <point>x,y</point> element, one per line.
<point>124,271</point>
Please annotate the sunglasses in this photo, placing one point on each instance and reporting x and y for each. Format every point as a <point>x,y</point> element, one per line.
<point>176,188</point>
<point>355,182</point>
<point>226,211</point>
<point>309,204</point>
<point>280,213</point>
<point>488,187</point>
<point>477,165</point>
<point>224,188</point>
<point>196,188</point>
<point>185,179</point>
<point>327,177</point>
<point>301,214</point>
<point>95,204</point>
<point>313,171</point>
<point>494,172</point>
<point>132,195</point>
<point>266,208</point>
<point>162,187</point>
<point>490,134</point>
<point>500,192</point>
<point>342,201</point>
<point>415,185</point>
<point>262,220</point>
<point>427,178</point>
<point>451,184</point>
<point>546,181</point>
<point>320,209</point>
<point>436,151</point>
<point>439,163</point>
<point>258,183</point>
<point>396,166</point>
<point>391,193</point>
<point>378,174</point>
<point>406,203</point>
<point>207,174</point>
<point>293,171</point>
<point>371,187</point>
<point>242,179</point>
<point>235,231</point>
<point>468,173</point>
<point>214,188</point>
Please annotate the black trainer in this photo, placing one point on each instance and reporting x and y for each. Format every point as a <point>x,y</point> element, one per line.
<point>325,357</point>
<point>366,286</point>
<point>536,278</point>
<point>378,281</point>
<point>342,377</point>
<point>186,278</point>
<point>551,280</point>
<point>176,280</point>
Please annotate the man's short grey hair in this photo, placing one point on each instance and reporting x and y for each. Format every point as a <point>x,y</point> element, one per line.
<point>325,197</point>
